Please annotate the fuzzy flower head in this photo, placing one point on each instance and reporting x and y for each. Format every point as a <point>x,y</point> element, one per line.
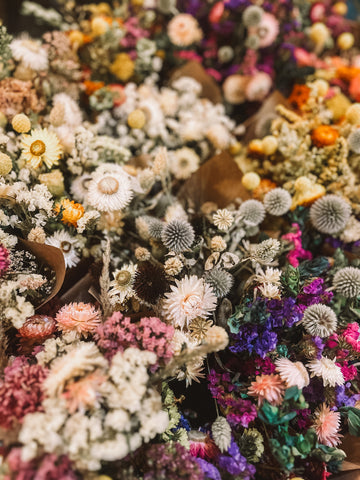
<point>150,282</point>
<point>41,146</point>
<point>178,235</point>
<point>190,298</point>
<point>183,30</point>
<point>4,260</point>
<point>277,202</point>
<point>347,282</point>
<point>252,16</point>
<point>67,244</point>
<point>292,373</point>
<point>330,214</point>
<point>220,281</point>
<point>327,424</point>
<point>266,251</point>
<point>319,320</point>
<point>258,87</point>
<point>267,387</point>
<point>30,53</point>
<point>122,285</point>
<point>184,162</point>
<point>110,189</point>
<point>82,318</point>
<point>328,370</point>
<point>252,212</point>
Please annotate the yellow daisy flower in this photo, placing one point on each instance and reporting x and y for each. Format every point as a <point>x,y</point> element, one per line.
<point>41,146</point>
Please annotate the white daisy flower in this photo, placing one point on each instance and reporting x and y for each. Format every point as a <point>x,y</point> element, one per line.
<point>41,146</point>
<point>122,284</point>
<point>184,162</point>
<point>190,298</point>
<point>326,369</point>
<point>30,53</point>
<point>293,373</point>
<point>271,275</point>
<point>67,244</point>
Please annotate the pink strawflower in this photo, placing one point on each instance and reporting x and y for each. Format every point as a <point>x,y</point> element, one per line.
<point>80,317</point>
<point>349,371</point>
<point>202,446</point>
<point>298,252</point>
<point>49,467</point>
<point>258,87</point>
<point>38,327</point>
<point>351,335</point>
<point>84,393</point>
<point>20,391</point>
<point>4,260</point>
<point>267,30</point>
<point>267,387</point>
<point>326,425</point>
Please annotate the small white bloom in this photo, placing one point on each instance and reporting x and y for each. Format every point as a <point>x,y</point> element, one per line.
<point>67,244</point>
<point>326,369</point>
<point>293,373</point>
<point>223,219</point>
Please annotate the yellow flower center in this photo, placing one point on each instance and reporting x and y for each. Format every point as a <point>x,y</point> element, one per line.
<point>38,148</point>
<point>123,277</point>
<point>108,185</point>
<point>65,246</point>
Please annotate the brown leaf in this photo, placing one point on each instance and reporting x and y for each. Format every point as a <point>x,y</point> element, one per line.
<point>210,88</point>
<point>218,180</point>
<point>51,256</point>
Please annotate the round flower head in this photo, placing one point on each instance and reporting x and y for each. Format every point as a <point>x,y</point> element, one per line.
<point>354,141</point>
<point>330,214</point>
<point>122,285</point>
<point>327,425</point>
<point>21,123</point>
<point>178,235</point>
<point>252,16</point>
<point>326,369</point>
<point>217,338</point>
<point>221,432</point>
<point>155,227</point>
<point>223,219</point>
<point>30,53</point>
<point>220,281</point>
<point>252,212</point>
<point>110,190</point>
<point>184,162</point>
<point>201,445</point>
<point>267,30</point>
<point>258,87</point>
<point>267,387</point>
<point>5,164</point>
<point>183,30</point>
<point>266,251</point>
<point>347,282</point>
<point>150,282</point>
<point>292,373</point>
<point>71,211</point>
<point>67,245</point>
<point>277,202</point>
<point>319,320</point>
<point>38,327</point>
<point>234,89</point>
<point>190,298</point>
<point>41,146</point>
<point>82,318</point>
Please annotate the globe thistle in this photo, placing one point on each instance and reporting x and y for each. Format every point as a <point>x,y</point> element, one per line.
<point>220,281</point>
<point>319,320</point>
<point>252,16</point>
<point>354,141</point>
<point>178,235</point>
<point>221,432</point>
<point>266,251</point>
<point>252,212</point>
<point>277,202</point>
<point>330,214</point>
<point>252,445</point>
<point>347,282</point>
<point>155,227</point>
<point>150,282</point>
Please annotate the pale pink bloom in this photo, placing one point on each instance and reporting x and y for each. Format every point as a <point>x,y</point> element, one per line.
<point>267,30</point>
<point>234,89</point>
<point>81,317</point>
<point>267,387</point>
<point>84,393</point>
<point>258,87</point>
<point>326,425</point>
<point>183,30</point>
<point>292,373</point>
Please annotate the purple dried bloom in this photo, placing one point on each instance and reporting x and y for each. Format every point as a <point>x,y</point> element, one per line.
<point>209,469</point>
<point>235,464</point>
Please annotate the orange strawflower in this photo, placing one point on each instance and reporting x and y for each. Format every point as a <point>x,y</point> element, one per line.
<point>71,213</point>
<point>91,87</point>
<point>324,135</point>
<point>299,96</point>
<point>267,387</point>
<point>347,73</point>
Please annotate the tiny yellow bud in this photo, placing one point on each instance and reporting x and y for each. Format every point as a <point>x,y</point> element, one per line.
<point>21,123</point>
<point>5,164</point>
<point>353,114</point>
<point>251,180</point>
<point>269,144</point>
<point>256,146</point>
<point>340,8</point>
<point>345,41</point>
<point>235,148</point>
<point>76,38</point>
<point>136,119</point>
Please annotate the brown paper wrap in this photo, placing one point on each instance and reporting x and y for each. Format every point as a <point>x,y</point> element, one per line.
<point>218,180</point>
<point>210,88</point>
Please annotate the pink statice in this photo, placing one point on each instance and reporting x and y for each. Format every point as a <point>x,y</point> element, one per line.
<point>20,391</point>
<point>352,335</point>
<point>133,33</point>
<point>298,252</point>
<point>349,371</point>
<point>4,260</point>
<point>118,333</point>
<point>49,467</point>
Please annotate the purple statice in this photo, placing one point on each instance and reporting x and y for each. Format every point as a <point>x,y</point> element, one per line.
<point>303,418</point>
<point>254,339</point>
<point>314,292</point>
<point>320,345</point>
<point>344,400</point>
<point>209,469</point>
<point>235,464</point>
<point>171,461</point>
<point>284,312</point>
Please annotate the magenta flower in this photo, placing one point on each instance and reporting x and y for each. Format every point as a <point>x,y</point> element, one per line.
<point>4,260</point>
<point>298,252</point>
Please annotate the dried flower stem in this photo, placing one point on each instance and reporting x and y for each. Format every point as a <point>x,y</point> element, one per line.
<point>105,283</point>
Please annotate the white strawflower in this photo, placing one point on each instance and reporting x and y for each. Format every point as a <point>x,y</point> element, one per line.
<point>293,373</point>
<point>319,320</point>
<point>122,285</point>
<point>326,369</point>
<point>221,432</point>
<point>269,290</point>
<point>223,219</point>
<point>271,275</point>
<point>184,162</point>
<point>30,53</point>
<point>67,244</point>
<point>190,298</point>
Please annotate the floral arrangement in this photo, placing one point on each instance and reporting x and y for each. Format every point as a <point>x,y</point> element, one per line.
<point>175,304</point>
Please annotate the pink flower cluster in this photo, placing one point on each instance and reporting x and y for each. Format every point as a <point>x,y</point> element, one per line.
<point>118,333</point>
<point>352,334</point>
<point>20,391</point>
<point>298,251</point>
<point>4,260</point>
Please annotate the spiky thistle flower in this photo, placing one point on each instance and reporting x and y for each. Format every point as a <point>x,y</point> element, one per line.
<point>319,320</point>
<point>150,282</point>
<point>220,281</point>
<point>347,282</point>
<point>266,251</point>
<point>178,235</point>
<point>330,214</point>
<point>354,141</point>
<point>277,202</point>
<point>221,432</point>
<point>252,212</point>
<point>155,227</point>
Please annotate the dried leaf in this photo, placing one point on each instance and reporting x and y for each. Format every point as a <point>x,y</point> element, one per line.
<point>51,256</point>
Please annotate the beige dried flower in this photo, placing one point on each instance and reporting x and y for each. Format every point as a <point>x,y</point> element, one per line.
<point>160,162</point>
<point>199,327</point>
<point>37,235</point>
<point>217,338</point>
<point>173,266</point>
<point>142,254</point>
<point>217,244</point>
<point>223,219</point>
<point>57,114</point>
